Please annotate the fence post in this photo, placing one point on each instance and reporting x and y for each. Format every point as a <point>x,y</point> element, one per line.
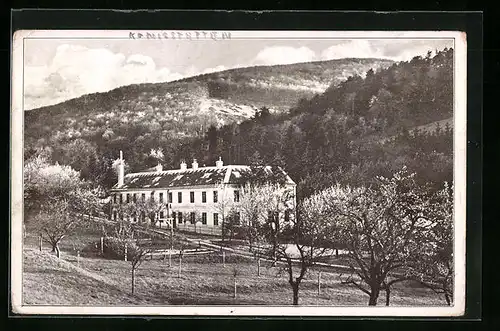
<point>78,258</point>
<point>223,258</point>
<point>258,266</point>
<point>40,242</point>
<point>102,245</point>
<point>319,282</point>
<point>180,265</point>
<point>234,293</point>
<point>126,252</point>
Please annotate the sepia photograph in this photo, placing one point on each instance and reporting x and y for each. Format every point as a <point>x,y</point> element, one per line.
<point>186,172</point>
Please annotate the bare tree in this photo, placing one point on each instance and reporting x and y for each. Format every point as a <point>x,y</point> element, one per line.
<point>433,267</point>
<point>127,233</point>
<point>296,238</point>
<point>383,228</point>
<point>151,209</point>
<point>138,255</point>
<point>223,206</point>
<point>57,200</point>
<point>252,213</point>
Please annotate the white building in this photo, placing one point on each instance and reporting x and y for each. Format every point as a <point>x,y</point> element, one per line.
<point>194,197</point>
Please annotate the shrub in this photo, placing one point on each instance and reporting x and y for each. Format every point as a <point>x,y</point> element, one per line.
<point>114,248</point>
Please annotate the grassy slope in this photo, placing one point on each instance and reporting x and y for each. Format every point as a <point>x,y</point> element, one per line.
<point>48,280</point>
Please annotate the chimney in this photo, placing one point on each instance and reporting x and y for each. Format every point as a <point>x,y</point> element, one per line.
<point>121,170</point>
<point>159,167</point>
<point>219,163</point>
<point>183,165</point>
<point>195,164</point>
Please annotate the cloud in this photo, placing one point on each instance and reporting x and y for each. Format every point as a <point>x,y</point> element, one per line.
<point>397,50</point>
<point>77,70</point>
<point>215,69</point>
<point>284,55</point>
<point>352,49</point>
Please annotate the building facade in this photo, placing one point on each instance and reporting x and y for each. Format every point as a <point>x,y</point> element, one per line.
<point>196,196</point>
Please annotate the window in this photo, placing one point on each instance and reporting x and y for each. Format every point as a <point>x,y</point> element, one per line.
<point>128,198</point>
<point>236,196</point>
<point>121,198</point>
<point>161,197</point>
<point>180,217</point>
<point>179,197</point>
<point>114,215</point>
<point>203,218</point>
<point>170,197</point>
<point>114,198</point>
<point>152,197</point>
<point>204,197</point>
<point>192,217</point>
<point>216,219</point>
<point>191,197</point>
<point>162,215</point>
<point>237,217</point>
<point>134,197</point>
<point>216,196</point>
<point>143,216</point>
<point>174,215</point>
<point>143,197</point>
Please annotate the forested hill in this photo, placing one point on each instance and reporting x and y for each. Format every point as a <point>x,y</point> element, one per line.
<point>88,132</point>
<point>342,134</point>
<point>356,129</point>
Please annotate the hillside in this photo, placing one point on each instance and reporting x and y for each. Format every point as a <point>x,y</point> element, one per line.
<point>341,135</point>
<point>321,138</point>
<point>53,281</point>
<point>139,118</point>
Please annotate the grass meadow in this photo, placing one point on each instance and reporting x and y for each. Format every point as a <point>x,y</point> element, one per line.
<point>203,280</point>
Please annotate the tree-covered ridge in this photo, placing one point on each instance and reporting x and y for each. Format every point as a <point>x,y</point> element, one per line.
<point>342,134</point>
<point>140,118</point>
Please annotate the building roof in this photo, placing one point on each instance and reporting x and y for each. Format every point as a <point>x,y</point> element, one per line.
<point>230,174</point>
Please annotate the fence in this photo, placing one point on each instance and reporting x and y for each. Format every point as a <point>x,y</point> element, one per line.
<point>201,229</point>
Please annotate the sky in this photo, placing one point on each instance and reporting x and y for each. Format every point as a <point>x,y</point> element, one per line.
<point>56,70</point>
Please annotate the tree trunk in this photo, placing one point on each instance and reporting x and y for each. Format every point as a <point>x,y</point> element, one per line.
<point>58,251</point>
<point>133,280</point>
<point>258,266</point>
<point>295,288</point>
<point>447,298</point>
<point>373,296</point>
<point>387,295</point>
<point>223,231</point>
<point>40,242</point>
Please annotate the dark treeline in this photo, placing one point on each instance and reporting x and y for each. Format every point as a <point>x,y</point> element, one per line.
<point>351,133</point>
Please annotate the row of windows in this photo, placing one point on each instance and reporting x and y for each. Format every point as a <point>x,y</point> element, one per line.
<point>133,197</point>
<point>178,217</point>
